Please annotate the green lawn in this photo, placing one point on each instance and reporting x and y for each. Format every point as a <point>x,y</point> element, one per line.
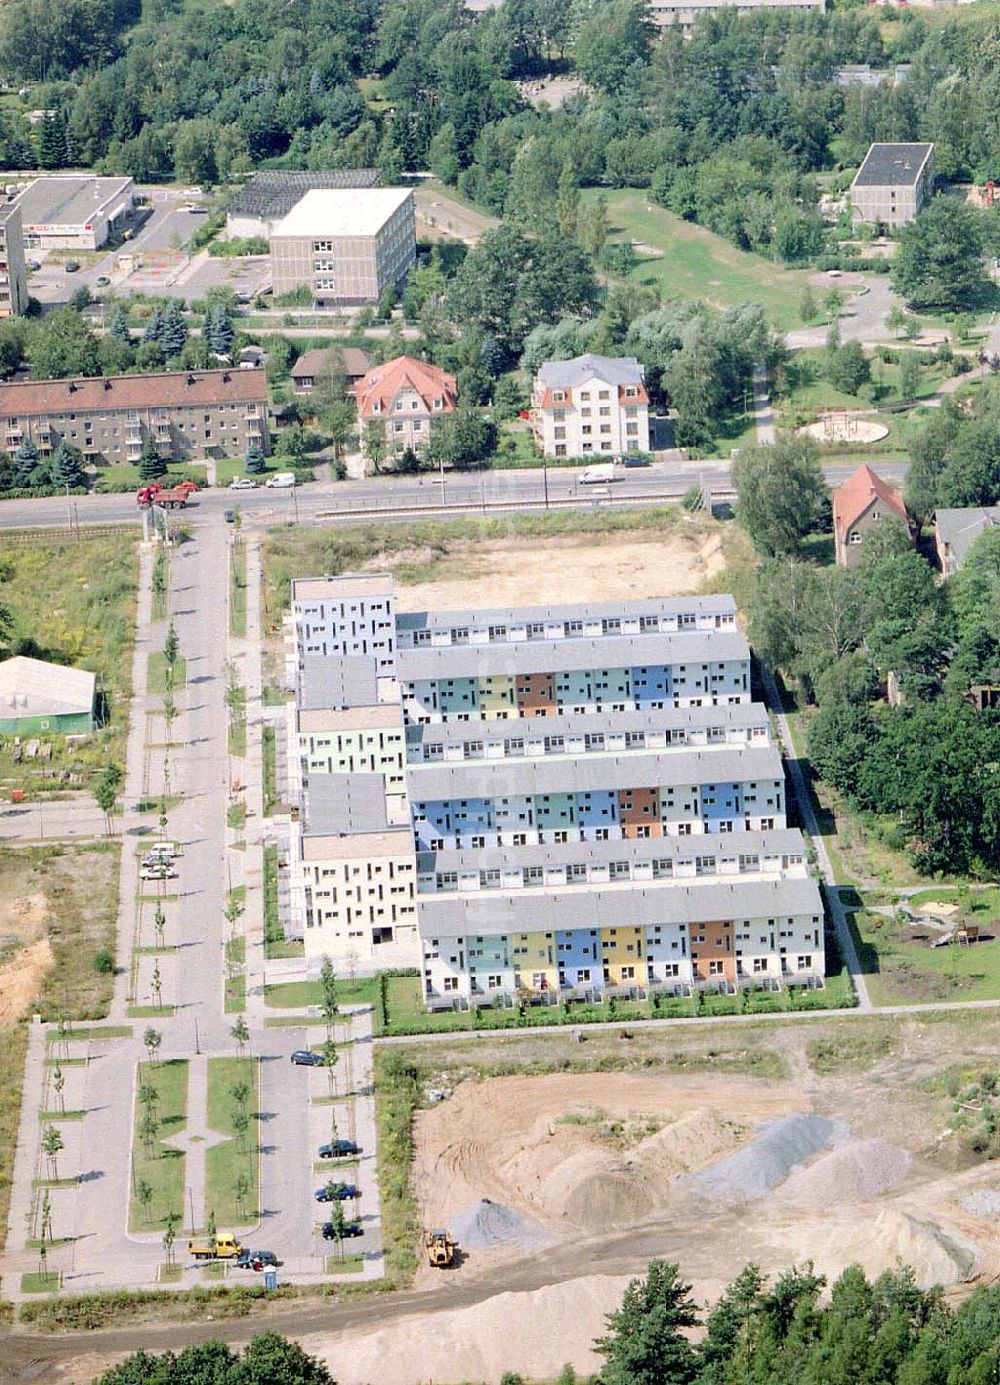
<point>231,467</point>
<point>164,1169</point>
<point>296,995</point>
<point>38,1283</point>
<point>268,744</point>
<point>238,590</point>
<point>156,672</point>
<point>805,391</point>
<point>224,1163</point>
<point>696,263</point>
<point>901,970</point>
<point>124,476</point>
<point>236,995</point>
<point>351,1264</point>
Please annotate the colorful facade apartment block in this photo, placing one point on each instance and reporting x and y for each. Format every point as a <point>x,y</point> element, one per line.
<point>540,801</point>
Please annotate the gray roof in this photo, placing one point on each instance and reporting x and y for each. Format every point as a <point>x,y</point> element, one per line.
<point>342,804</point>
<point>556,656</point>
<point>591,610</point>
<point>499,911</point>
<point>326,682</point>
<point>274,192</point>
<point>892,165</point>
<point>493,731</point>
<point>36,688</point>
<point>548,774</point>
<point>70,200</point>
<point>959,529</point>
<point>613,370</point>
<point>726,846</point>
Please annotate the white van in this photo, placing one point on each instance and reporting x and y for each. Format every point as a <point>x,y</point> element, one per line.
<point>281,480</point>
<point>600,475</point>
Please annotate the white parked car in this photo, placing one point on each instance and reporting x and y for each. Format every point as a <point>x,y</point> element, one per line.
<point>161,872</point>
<point>242,483</point>
<point>281,480</point>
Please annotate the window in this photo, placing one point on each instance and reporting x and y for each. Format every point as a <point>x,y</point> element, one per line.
<point>715,967</point>
<point>494,982</point>
<point>451,983</point>
<point>320,245</point>
<point>854,537</point>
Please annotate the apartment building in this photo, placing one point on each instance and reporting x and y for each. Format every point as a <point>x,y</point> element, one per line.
<point>684,14</point>
<point>191,414</point>
<point>590,405</point>
<point>405,395</point>
<point>13,274</point>
<point>345,246</point>
<point>631,838</point>
<point>894,184</point>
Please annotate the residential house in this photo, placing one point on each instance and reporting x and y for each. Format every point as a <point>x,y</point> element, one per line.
<point>406,395</point>
<point>354,362</point>
<point>862,502</point>
<point>955,531</point>
<point>593,405</point>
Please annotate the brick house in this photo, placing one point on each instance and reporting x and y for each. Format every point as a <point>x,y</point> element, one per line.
<point>862,502</point>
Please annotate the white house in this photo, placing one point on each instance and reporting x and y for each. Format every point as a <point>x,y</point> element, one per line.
<point>591,405</point>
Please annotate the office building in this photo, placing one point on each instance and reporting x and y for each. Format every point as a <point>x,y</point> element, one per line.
<point>13,274</point>
<point>70,211</point>
<point>345,246</point>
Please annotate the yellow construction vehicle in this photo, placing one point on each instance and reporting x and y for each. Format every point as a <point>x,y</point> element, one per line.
<point>219,1247</point>
<point>440,1249</point>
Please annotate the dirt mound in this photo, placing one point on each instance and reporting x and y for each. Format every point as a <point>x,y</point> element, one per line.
<point>854,1170</point>
<point>984,1203</point>
<point>487,1224</point>
<point>21,979</point>
<point>767,1160</point>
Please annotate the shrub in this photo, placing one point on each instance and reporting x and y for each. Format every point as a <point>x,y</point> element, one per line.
<point>104,961</point>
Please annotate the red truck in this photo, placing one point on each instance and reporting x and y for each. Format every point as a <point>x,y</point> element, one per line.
<point>174,499</point>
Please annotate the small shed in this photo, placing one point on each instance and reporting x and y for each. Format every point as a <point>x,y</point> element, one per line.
<point>38,696</point>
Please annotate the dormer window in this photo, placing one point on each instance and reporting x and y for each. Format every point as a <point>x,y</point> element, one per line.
<point>438,404</point>
<point>377,406</point>
<point>559,396</point>
<point>631,392</point>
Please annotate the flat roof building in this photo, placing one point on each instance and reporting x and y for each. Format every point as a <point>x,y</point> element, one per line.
<point>269,195</point>
<point>894,183</point>
<point>38,696</point>
<point>13,275</point>
<point>74,211</point>
<point>686,13</point>
<point>345,246</point>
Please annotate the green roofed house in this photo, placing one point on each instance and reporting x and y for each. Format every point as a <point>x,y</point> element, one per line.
<point>39,696</point>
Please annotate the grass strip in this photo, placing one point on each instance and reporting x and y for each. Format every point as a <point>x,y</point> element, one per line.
<point>154,1163</point>
<point>238,1156</point>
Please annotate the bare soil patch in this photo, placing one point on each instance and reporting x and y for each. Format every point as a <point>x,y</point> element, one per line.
<point>585,567</point>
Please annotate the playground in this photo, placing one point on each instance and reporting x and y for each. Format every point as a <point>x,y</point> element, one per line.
<point>841,426</point>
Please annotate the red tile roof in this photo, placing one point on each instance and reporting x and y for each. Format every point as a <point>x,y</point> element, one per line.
<point>162,390</point>
<point>385,382</point>
<point>859,490</point>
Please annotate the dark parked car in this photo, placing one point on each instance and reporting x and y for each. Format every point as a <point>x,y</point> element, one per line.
<point>636,459</point>
<point>72,266</point>
<point>337,1192</point>
<point>255,1259</point>
<point>305,1058</point>
<point>351,1228</point>
<point>336,1149</point>
<point>230,516</point>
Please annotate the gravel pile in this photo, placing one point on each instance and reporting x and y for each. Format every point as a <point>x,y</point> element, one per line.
<point>486,1224</point>
<point>767,1160</point>
<point>984,1203</point>
<point>853,1171</point>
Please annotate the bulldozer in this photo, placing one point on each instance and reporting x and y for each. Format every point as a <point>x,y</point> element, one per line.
<point>440,1249</point>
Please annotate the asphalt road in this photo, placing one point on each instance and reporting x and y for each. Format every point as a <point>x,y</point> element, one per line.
<point>404,496</point>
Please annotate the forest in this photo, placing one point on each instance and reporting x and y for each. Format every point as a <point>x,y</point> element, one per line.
<point>729,128</point>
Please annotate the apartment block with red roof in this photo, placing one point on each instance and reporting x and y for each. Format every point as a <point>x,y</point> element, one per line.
<point>405,394</point>
<point>191,414</point>
<point>591,406</point>
<point>861,503</point>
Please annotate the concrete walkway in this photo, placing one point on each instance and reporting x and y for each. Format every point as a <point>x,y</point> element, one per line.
<point>763,416</point>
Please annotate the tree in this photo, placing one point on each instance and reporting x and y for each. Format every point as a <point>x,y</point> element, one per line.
<point>172,1220</point>
<point>940,258</point>
<point>330,1061</point>
<point>66,466</point>
<point>151,1041</point>
<point>159,924</point>
<point>63,345</point>
<point>240,1121</point>
<point>144,1196</point>
<point>241,1034</point>
<point>269,1358</point>
<point>156,986</point>
<point>335,410</point>
<point>118,327</point>
<point>51,138</point>
<point>58,1084</point>
<point>847,367</point>
<point>171,646</point>
<point>895,319</point>
<point>373,442</point>
<point>909,374</point>
<point>568,202</point>
<point>241,1189</point>
<point>149,1129</point>
<point>612,42</point>
<point>780,493</point>
<point>254,462</point>
<point>46,1227</point>
<point>25,462</point>
<point>219,330</point>
<point>106,792</point>
<point>52,1144</point>
<point>173,329</point>
<point>808,309</point>
<point>337,1224</point>
<point>462,439</point>
<point>644,1343</point>
<point>151,465</point>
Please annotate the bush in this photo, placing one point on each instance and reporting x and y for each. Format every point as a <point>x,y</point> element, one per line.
<point>104,961</point>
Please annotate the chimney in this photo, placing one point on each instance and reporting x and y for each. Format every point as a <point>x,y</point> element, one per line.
<point>190,379</point>
<point>107,383</point>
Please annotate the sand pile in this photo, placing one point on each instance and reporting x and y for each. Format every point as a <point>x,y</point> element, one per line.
<point>877,1243</point>
<point>854,1171</point>
<point>767,1160</point>
<point>487,1224</point>
<point>533,1333</point>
